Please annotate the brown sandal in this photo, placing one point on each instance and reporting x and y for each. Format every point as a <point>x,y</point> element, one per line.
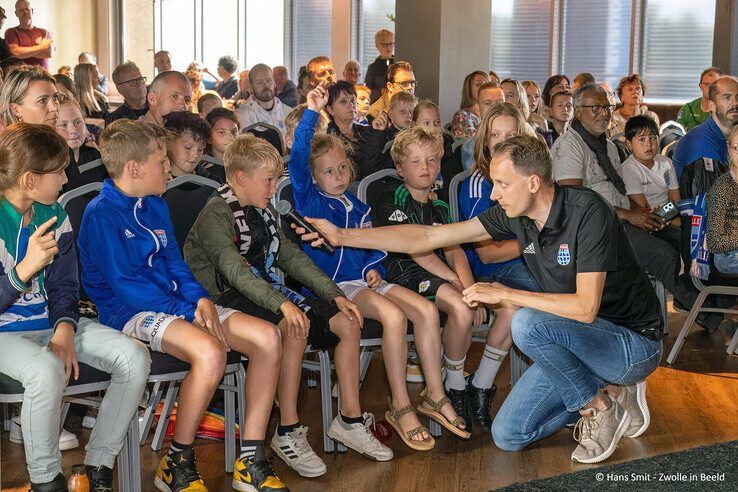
<point>393,417</point>
<point>436,415</point>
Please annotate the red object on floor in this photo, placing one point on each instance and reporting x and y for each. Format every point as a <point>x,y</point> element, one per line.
<point>382,430</point>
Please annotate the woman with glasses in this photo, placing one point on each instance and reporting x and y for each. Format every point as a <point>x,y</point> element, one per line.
<point>93,102</point>
<point>631,91</point>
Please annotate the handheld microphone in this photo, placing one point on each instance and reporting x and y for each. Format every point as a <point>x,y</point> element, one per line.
<point>284,208</point>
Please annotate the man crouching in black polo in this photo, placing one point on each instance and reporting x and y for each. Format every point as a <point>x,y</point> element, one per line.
<point>594,332</point>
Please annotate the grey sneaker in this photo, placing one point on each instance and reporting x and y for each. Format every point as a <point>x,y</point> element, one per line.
<point>295,450</point>
<point>633,399</point>
<point>598,433</point>
<point>359,437</point>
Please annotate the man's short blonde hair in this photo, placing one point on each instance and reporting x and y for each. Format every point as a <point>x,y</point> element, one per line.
<point>414,135</point>
<point>383,36</point>
<point>127,140</point>
<point>249,153</point>
<point>402,97</point>
<point>294,117</point>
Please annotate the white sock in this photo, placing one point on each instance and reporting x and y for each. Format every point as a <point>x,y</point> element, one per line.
<point>454,373</point>
<point>489,365</point>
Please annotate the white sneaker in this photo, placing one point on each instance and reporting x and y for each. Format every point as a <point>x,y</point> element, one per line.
<point>89,421</point>
<point>413,372</point>
<point>359,437</point>
<point>598,433</point>
<point>67,440</point>
<point>297,453</point>
<point>633,399</point>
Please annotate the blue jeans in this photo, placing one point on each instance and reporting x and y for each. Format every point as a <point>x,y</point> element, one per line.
<point>573,361</point>
<point>515,275</point>
<point>726,262</point>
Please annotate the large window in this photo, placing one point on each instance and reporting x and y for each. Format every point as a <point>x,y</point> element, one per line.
<point>596,39</point>
<point>520,39</point>
<point>311,31</point>
<point>375,15</point>
<point>175,31</point>
<point>677,46</point>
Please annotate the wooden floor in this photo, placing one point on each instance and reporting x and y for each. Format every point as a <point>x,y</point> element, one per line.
<point>693,403</point>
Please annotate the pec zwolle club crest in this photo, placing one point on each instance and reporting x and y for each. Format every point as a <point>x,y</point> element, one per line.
<point>563,256</point>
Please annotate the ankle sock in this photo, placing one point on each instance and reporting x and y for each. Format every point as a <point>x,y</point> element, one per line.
<point>175,447</point>
<point>491,361</point>
<point>454,373</point>
<point>251,448</point>
<point>282,430</point>
<point>352,420</point>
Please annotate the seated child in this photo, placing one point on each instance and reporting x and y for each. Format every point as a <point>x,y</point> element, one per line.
<point>243,276</point>
<point>492,261</point>
<point>185,148</point>
<point>321,172</point>
<point>207,102</point>
<point>41,336</point>
<point>226,127</point>
<point>70,125</point>
<point>427,115</point>
<point>722,214</point>
<point>649,177</point>
<point>363,94</point>
<point>400,113</point>
<point>294,117</point>
<point>134,273</point>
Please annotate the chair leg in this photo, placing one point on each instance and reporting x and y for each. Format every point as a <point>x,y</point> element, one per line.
<point>241,397</point>
<point>517,365</point>
<point>64,411</point>
<point>686,327</point>
<point>148,416</point>
<point>230,423</point>
<point>6,417</point>
<point>325,398</point>
<point>166,412</point>
<point>129,466</point>
<point>661,294</point>
<point>733,344</point>
<point>364,360</point>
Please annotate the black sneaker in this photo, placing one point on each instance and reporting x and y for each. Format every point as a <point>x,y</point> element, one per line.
<point>178,473</point>
<point>101,478</point>
<point>461,406</point>
<point>59,484</point>
<point>479,401</point>
<point>256,475</point>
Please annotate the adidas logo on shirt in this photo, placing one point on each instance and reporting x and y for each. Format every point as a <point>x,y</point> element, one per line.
<point>529,250</point>
<point>129,234</point>
<point>397,216</point>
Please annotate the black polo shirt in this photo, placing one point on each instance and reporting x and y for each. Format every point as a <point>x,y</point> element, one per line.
<point>583,233</point>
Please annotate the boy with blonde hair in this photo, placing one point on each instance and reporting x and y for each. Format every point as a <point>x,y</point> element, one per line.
<point>442,275</point>
<point>242,274</point>
<point>133,271</point>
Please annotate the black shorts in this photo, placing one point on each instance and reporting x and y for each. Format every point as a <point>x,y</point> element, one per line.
<point>421,281</point>
<point>319,313</point>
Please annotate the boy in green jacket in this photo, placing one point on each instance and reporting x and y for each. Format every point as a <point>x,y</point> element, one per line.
<point>234,249</point>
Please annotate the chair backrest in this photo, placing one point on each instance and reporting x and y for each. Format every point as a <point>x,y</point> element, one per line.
<point>368,186</point>
<point>74,204</point>
<point>623,150</point>
<point>669,149</point>
<point>186,196</point>
<point>268,132</point>
<point>90,165</point>
<point>212,160</point>
<point>453,193</point>
<point>669,137</point>
<point>387,146</point>
<point>670,126</point>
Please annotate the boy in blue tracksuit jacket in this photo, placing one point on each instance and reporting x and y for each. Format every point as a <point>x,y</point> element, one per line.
<point>133,271</point>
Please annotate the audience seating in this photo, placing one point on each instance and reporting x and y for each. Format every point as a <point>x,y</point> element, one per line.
<point>186,196</point>
<point>268,132</point>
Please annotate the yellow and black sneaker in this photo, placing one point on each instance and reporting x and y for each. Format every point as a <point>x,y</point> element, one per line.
<point>256,476</point>
<point>178,473</point>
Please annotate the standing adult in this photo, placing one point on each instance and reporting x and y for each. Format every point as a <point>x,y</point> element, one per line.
<point>594,331</point>
<point>696,112</point>
<point>227,66</point>
<point>162,61</point>
<point>132,86</point>
<point>31,44</point>
<point>263,106</point>
<point>4,50</point>
<point>376,72</point>
<point>285,88</point>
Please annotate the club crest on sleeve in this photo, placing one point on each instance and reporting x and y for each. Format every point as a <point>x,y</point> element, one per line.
<point>162,236</point>
<point>563,257</point>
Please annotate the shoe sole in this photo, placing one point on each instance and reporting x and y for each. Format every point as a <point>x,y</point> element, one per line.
<point>70,445</point>
<point>613,445</point>
<point>159,484</point>
<point>243,487</point>
<point>643,406</point>
<point>414,379</point>
<point>284,458</point>
<point>333,436</point>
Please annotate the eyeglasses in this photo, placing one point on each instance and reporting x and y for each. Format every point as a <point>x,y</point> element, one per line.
<point>408,84</point>
<point>134,82</point>
<point>387,45</point>
<point>600,108</point>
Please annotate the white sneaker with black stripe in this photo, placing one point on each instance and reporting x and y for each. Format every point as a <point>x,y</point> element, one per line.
<point>295,450</point>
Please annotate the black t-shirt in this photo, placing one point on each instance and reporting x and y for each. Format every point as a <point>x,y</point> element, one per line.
<point>228,89</point>
<point>125,111</point>
<point>583,233</point>
<point>396,206</point>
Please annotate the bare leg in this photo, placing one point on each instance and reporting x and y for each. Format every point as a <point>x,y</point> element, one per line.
<point>207,357</point>
<point>457,331</point>
<point>500,334</point>
<point>347,363</point>
<point>293,350</point>
<point>259,341</point>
